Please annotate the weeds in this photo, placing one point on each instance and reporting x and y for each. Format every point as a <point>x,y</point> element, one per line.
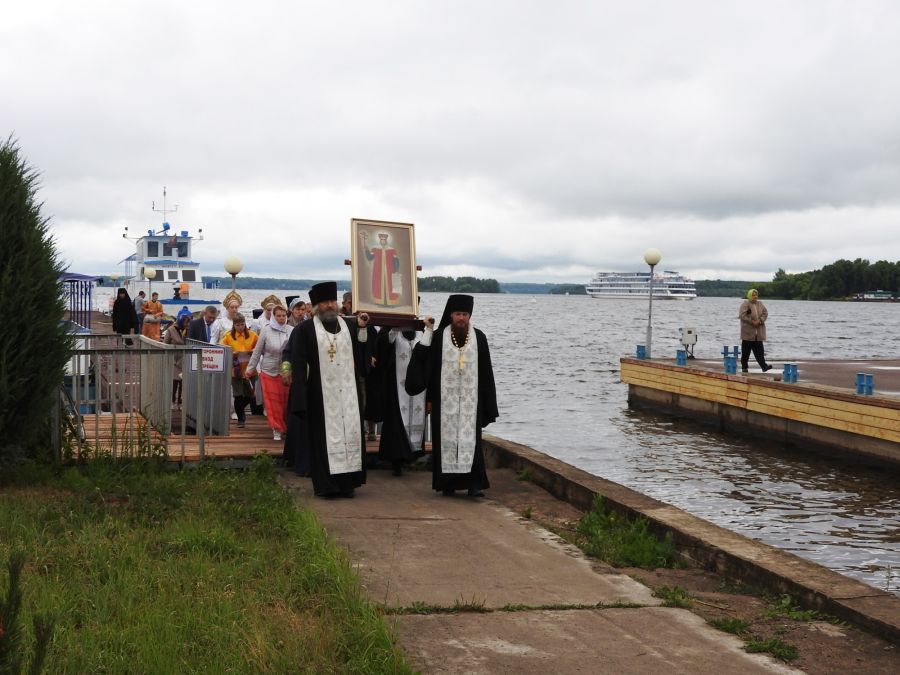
<point>787,607</point>
<point>526,475</point>
<point>729,625</point>
<point>623,542</point>
<point>775,646</point>
<point>674,597</point>
<point>526,513</point>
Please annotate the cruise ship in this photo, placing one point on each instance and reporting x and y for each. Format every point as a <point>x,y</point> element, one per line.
<point>666,286</point>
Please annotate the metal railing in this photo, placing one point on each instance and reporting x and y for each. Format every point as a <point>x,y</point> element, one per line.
<point>206,383</point>
<point>120,394</point>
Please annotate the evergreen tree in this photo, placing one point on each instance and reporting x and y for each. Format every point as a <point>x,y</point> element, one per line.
<point>35,346</point>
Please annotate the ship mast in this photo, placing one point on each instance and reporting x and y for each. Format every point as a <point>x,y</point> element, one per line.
<point>164,211</point>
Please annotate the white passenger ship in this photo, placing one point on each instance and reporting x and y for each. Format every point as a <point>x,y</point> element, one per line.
<point>167,252</point>
<point>666,286</point>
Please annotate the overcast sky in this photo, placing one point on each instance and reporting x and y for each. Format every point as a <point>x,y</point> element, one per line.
<point>527,141</point>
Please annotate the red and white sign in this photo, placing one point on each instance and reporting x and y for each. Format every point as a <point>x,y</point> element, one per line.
<point>212,359</point>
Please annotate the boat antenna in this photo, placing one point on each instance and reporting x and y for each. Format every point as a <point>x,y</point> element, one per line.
<point>163,210</point>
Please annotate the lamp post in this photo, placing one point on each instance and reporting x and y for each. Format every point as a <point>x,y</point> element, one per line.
<point>233,266</point>
<point>652,257</point>
<point>150,275</point>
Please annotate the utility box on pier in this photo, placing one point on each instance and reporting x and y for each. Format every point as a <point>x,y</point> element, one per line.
<point>688,336</point>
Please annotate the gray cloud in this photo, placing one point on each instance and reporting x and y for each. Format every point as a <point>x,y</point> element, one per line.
<point>523,140</point>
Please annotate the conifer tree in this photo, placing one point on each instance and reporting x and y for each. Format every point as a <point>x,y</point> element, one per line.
<point>34,346</point>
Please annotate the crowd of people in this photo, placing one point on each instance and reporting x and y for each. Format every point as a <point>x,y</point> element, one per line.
<point>328,381</point>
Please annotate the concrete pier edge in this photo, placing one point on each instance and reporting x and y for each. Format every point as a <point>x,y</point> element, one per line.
<point>709,546</point>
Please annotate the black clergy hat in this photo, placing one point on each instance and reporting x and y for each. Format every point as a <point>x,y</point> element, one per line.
<point>456,303</point>
<point>327,290</point>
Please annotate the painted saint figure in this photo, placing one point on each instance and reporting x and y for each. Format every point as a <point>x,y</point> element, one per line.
<point>386,279</point>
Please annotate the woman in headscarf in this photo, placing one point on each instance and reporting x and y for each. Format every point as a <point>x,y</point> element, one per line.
<point>753,315</point>
<point>242,341</point>
<point>176,335</point>
<point>124,318</point>
<point>266,359</point>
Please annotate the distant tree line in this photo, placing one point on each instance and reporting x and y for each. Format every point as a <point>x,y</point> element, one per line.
<point>459,285</point>
<point>718,288</point>
<point>840,279</point>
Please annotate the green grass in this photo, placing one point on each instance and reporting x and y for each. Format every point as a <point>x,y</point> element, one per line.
<point>527,513</point>
<point>624,542</point>
<point>774,646</point>
<point>674,597</point>
<point>190,571</point>
<point>729,625</point>
<point>787,607</point>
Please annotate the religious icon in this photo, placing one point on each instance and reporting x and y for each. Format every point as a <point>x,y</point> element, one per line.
<point>384,267</point>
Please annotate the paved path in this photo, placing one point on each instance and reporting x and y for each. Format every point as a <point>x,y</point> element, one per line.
<point>546,608</point>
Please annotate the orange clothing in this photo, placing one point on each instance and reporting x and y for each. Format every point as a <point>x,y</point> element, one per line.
<point>154,308</point>
<point>239,344</point>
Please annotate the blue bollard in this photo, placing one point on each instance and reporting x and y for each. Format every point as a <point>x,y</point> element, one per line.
<point>860,383</point>
<point>641,352</point>
<point>725,352</point>
<point>737,354</point>
<point>870,384</point>
<point>730,366</point>
<point>789,375</point>
<point>680,357</point>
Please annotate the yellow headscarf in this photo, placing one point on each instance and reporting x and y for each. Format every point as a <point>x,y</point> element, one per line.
<point>751,292</point>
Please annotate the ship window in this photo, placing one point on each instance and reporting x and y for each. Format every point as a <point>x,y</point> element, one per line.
<point>182,249</point>
<point>173,274</point>
<point>188,275</point>
<point>152,249</point>
<point>160,275</point>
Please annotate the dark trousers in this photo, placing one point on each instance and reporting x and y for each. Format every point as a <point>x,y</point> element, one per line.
<point>240,402</point>
<point>759,353</point>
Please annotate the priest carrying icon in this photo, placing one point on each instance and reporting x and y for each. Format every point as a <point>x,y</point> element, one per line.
<point>452,364</point>
<point>322,368</point>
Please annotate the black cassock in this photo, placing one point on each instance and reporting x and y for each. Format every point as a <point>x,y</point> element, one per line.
<point>424,374</point>
<point>306,402</point>
<point>394,445</point>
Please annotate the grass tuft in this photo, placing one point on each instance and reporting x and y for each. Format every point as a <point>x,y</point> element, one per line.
<point>674,597</point>
<point>624,542</point>
<point>775,646</point>
<point>730,625</point>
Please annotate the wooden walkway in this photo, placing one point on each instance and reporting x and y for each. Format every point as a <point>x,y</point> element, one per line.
<point>125,434</point>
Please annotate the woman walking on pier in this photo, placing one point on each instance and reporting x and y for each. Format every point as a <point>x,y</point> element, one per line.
<point>176,335</point>
<point>267,360</point>
<point>753,315</point>
<point>242,340</point>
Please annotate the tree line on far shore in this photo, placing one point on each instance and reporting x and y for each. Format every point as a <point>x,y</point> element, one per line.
<point>841,279</point>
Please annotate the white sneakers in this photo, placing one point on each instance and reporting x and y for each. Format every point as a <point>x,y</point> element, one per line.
<point>276,435</point>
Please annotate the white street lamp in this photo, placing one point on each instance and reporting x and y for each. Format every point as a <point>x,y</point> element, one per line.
<point>233,266</point>
<point>150,275</point>
<point>652,257</point>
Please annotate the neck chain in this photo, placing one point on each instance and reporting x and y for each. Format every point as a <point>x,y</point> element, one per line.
<point>461,361</point>
<point>332,342</point>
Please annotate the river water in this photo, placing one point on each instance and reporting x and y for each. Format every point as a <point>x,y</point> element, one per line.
<point>556,363</point>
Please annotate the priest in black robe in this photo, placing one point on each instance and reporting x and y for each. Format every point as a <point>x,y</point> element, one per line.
<point>452,365</point>
<point>324,365</point>
<point>402,416</point>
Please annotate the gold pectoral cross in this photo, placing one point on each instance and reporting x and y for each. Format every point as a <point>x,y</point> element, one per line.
<point>332,350</point>
<point>462,360</point>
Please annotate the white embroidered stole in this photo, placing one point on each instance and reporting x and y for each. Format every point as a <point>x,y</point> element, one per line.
<point>412,408</point>
<point>459,402</point>
<point>343,435</point>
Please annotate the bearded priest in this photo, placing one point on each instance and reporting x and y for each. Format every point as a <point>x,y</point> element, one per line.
<point>322,367</point>
<point>452,365</point>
